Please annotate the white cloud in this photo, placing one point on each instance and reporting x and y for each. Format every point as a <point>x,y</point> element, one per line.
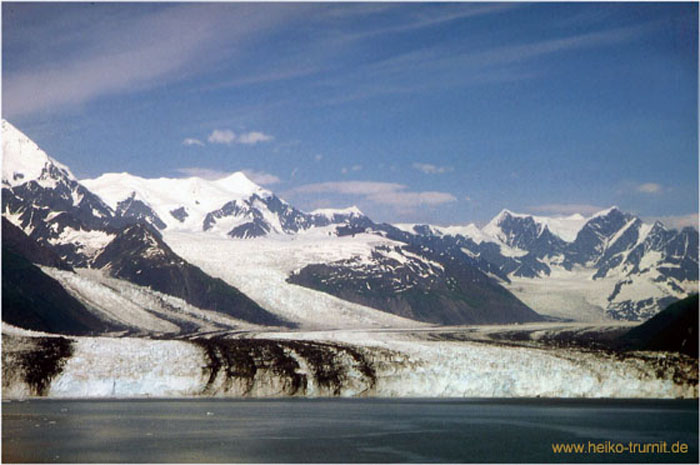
<point>427,168</point>
<point>677,221</point>
<point>566,209</point>
<point>385,193</point>
<point>252,138</point>
<point>409,199</point>
<point>204,173</point>
<point>349,187</point>
<point>649,188</point>
<point>221,136</point>
<point>262,178</point>
<point>192,141</point>
<point>318,157</point>
<point>228,137</point>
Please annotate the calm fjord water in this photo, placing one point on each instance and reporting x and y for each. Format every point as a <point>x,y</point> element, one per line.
<point>352,430</point>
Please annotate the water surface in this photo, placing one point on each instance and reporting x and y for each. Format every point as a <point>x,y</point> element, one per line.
<point>340,430</point>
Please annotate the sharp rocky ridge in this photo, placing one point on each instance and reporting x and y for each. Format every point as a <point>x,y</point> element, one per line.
<point>646,266</point>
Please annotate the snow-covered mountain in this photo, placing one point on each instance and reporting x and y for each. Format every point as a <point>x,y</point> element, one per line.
<point>45,200</point>
<point>188,237</point>
<point>611,261</point>
<point>56,215</point>
<point>234,205</point>
<point>140,218</point>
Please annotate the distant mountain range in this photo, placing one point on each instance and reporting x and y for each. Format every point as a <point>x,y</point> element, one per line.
<point>629,268</point>
<point>161,234</point>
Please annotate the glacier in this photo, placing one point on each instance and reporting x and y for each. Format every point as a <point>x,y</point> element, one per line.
<point>344,363</point>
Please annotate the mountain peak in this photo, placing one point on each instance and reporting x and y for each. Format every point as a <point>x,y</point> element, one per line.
<point>505,213</point>
<point>240,183</point>
<point>494,226</point>
<point>607,211</point>
<point>23,160</point>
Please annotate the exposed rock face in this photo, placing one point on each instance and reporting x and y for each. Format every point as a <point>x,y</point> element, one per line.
<point>408,283</point>
<point>138,212</point>
<point>14,240</point>
<point>674,329</point>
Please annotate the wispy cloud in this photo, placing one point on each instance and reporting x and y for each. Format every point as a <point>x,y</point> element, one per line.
<point>140,47</point>
<point>266,77</point>
<point>519,53</point>
<point>261,177</point>
<point>254,137</point>
<point>649,188</point>
<point>414,70</point>
<point>677,221</point>
<point>433,17</point>
<point>566,209</point>
<point>349,187</point>
<point>411,199</point>
<point>228,137</point>
<point>428,168</point>
<point>382,193</point>
<point>192,141</point>
<point>221,136</point>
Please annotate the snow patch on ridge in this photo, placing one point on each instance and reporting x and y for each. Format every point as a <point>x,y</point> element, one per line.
<point>88,242</point>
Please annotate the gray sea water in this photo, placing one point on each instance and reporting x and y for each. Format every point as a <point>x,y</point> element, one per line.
<point>346,430</point>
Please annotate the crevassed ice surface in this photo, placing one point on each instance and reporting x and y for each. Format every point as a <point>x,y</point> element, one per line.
<point>130,367</point>
<point>259,269</point>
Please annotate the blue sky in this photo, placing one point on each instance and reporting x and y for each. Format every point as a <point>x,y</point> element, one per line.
<point>442,113</point>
